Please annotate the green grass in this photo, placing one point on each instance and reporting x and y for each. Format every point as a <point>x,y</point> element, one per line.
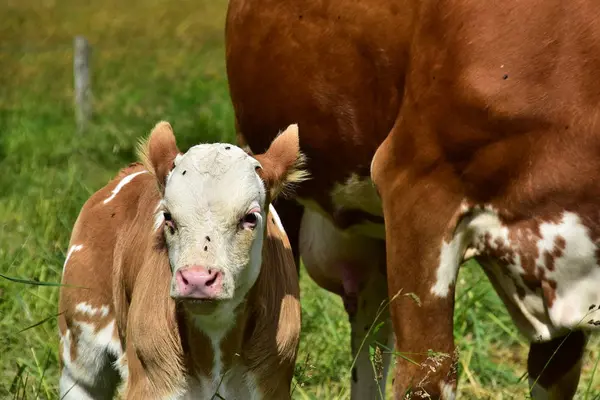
<point>152,60</point>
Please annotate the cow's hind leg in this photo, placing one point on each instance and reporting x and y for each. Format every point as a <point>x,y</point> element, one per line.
<point>371,339</point>
<point>555,366</point>
<point>87,358</point>
<point>353,267</point>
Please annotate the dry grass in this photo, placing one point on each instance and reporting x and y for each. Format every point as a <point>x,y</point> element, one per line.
<point>158,59</point>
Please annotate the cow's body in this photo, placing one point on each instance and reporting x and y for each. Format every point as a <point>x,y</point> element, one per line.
<point>492,152</point>
<point>123,325</point>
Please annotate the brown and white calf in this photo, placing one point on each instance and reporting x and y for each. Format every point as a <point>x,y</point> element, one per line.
<point>180,278</point>
<point>478,123</point>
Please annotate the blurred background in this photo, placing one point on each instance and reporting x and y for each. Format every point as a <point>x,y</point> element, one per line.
<point>153,60</point>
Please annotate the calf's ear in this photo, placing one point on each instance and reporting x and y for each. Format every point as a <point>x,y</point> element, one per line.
<point>282,164</point>
<point>159,151</point>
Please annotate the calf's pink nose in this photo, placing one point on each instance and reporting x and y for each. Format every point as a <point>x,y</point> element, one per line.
<point>199,282</point>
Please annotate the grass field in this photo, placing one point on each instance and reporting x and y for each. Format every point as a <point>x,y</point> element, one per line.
<point>152,60</point>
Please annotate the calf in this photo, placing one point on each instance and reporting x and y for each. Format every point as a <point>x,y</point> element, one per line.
<point>180,280</point>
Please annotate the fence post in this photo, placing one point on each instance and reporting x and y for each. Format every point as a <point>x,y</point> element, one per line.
<point>83,90</point>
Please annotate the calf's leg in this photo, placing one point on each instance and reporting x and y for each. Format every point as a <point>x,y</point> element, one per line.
<point>555,366</point>
<point>87,363</point>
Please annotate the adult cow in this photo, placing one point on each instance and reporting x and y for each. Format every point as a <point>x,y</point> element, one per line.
<point>180,279</point>
<point>492,149</point>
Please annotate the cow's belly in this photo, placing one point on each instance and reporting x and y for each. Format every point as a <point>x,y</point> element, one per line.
<point>357,198</point>
<point>337,260</point>
<point>545,271</point>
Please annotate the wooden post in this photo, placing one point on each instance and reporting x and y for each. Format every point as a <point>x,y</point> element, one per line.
<point>83,89</point>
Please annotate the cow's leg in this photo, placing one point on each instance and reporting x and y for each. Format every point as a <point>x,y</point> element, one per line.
<point>422,267</point>
<point>370,369</point>
<point>353,267</point>
<point>424,248</point>
<point>554,367</point>
<point>87,355</point>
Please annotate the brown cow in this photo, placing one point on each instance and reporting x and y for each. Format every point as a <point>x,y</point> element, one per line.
<point>183,280</point>
<point>493,151</point>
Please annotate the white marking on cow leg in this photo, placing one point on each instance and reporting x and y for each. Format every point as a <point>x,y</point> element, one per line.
<point>74,248</point>
<point>451,256</point>
<point>121,184</point>
<point>447,391</point>
<point>365,384</point>
<point>276,218</point>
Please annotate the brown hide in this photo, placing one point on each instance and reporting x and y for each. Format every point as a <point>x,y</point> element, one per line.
<point>492,103</point>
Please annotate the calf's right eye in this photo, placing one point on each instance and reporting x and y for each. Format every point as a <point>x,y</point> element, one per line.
<point>169,222</point>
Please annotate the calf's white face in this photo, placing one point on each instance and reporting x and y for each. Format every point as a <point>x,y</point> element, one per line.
<point>213,212</point>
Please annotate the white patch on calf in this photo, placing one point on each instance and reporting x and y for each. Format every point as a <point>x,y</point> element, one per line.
<point>93,351</point>
<point>211,188</point>
<point>276,218</point>
<point>121,184</point>
<point>237,383</point>
<point>87,309</point>
<point>66,345</point>
<point>159,216</point>
<point>74,248</point>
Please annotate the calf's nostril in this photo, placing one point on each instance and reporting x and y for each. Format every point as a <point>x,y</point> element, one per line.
<point>185,281</point>
<point>213,278</point>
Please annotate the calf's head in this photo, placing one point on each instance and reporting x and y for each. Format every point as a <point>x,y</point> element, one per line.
<point>215,200</point>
